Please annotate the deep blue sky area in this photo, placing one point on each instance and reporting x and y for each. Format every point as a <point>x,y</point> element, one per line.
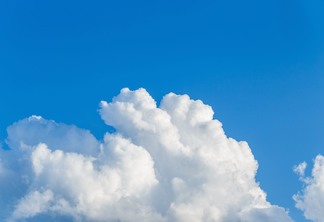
<point>259,64</point>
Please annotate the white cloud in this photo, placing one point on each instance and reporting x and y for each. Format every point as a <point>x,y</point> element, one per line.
<point>34,203</point>
<point>300,169</point>
<point>311,199</point>
<point>167,163</point>
<point>34,130</point>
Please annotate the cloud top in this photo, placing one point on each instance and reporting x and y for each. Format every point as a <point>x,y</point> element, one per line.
<point>167,163</point>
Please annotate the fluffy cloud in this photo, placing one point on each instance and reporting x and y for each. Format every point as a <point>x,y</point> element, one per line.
<point>311,199</point>
<point>167,163</point>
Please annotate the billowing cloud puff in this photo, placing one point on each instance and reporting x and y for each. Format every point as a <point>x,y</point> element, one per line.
<point>167,163</point>
<point>311,199</point>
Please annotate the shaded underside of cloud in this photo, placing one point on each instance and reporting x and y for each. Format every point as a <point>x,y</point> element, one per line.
<point>167,163</point>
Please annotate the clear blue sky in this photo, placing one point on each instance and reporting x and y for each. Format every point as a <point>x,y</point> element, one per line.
<point>259,64</point>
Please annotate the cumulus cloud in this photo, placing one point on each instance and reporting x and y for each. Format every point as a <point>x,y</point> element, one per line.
<point>300,169</point>
<point>167,163</point>
<point>311,199</point>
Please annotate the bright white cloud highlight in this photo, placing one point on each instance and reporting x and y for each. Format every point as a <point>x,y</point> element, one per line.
<point>167,163</point>
<point>311,199</point>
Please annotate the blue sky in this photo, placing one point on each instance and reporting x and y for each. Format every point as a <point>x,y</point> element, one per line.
<point>259,64</point>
